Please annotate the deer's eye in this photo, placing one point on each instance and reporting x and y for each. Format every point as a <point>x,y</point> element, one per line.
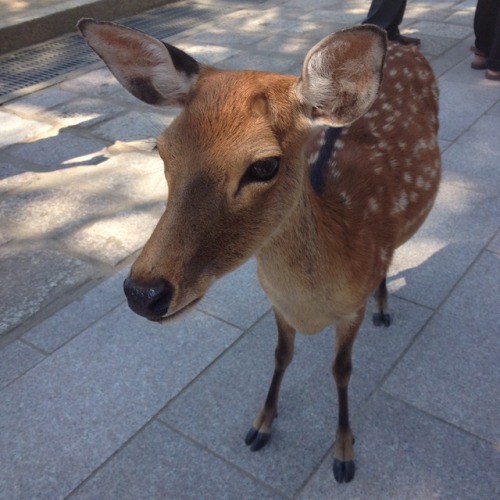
<point>262,170</point>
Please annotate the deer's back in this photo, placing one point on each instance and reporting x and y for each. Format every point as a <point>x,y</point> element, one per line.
<point>383,171</point>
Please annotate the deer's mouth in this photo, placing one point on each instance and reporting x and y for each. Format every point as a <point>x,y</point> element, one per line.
<point>176,314</point>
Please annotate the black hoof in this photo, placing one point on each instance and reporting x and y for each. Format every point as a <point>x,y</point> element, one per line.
<point>256,440</point>
<point>343,471</point>
<point>380,319</point>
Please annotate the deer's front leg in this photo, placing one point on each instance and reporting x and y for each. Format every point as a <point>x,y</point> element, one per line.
<point>343,462</point>
<point>260,433</point>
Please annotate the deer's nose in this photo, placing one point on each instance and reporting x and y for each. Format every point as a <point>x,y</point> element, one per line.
<point>150,300</point>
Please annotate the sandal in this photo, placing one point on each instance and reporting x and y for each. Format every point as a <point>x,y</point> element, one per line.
<point>493,75</point>
<point>480,59</point>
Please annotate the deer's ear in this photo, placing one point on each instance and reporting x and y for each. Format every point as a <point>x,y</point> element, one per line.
<point>342,75</point>
<point>155,72</point>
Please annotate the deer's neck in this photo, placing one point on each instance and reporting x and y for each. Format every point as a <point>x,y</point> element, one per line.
<point>292,267</point>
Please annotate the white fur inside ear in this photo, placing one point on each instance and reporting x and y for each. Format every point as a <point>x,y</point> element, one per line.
<point>142,64</point>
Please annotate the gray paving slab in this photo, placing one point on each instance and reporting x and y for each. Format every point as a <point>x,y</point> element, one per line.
<point>64,150</point>
<point>135,125</point>
<point>131,174</point>
<point>233,389</point>
<point>99,82</point>
<point>237,298</point>
<point>12,177</point>
<point>39,102</point>
<point>15,359</point>
<point>31,279</point>
<point>441,29</point>
<point>19,130</point>
<point>472,162</point>
<point>207,52</point>
<point>72,411</point>
<point>494,245</point>
<point>158,463</point>
<point>61,327</point>
<point>84,110</point>
<point>54,206</point>
<point>426,268</point>
<point>458,114</point>
<point>112,240</point>
<point>452,371</point>
<point>404,453</point>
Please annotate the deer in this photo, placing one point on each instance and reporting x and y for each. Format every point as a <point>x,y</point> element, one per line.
<point>320,177</point>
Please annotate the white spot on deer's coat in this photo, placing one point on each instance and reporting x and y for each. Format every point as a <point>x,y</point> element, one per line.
<point>373,205</point>
<point>313,157</point>
<point>401,203</point>
<point>407,177</point>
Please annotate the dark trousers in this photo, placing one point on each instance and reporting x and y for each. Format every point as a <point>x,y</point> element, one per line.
<point>487,31</point>
<point>387,14</point>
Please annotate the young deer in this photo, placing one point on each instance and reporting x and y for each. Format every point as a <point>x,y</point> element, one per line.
<point>320,177</point>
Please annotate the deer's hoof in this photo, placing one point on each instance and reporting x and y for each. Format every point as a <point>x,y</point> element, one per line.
<point>380,319</point>
<point>257,440</point>
<point>343,471</point>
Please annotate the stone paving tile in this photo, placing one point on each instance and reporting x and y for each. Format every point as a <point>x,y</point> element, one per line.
<point>39,102</point>
<point>16,359</point>
<point>85,110</point>
<point>12,177</point>
<point>207,54</point>
<point>72,411</point>
<point>158,463</point>
<point>456,114</point>
<point>55,331</point>
<point>426,268</point>
<point>97,83</point>
<point>233,389</point>
<point>135,125</point>
<point>114,239</point>
<point>49,208</point>
<point>64,150</point>
<point>494,245</point>
<point>441,29</point>
<point>32,278</point>
<point>452,371</point>
<point>237,298</point>
<point>472,162</point>
<point>19,130</point>
<point>453,56</point>
<point>404,453</point>
<point>259,62</point>
<point>136,175</point>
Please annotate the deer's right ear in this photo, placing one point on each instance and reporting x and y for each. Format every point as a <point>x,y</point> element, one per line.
<point>155,72</point>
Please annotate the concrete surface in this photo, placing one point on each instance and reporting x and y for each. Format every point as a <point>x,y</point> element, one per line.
<point>99,403</point>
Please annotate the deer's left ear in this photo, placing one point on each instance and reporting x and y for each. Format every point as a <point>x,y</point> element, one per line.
<point>342,75</point>
<point>155,72</point>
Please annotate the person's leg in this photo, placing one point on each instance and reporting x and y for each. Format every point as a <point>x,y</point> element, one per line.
<point>494,55</point>
<point>487,42</point>
<point>388,14</point>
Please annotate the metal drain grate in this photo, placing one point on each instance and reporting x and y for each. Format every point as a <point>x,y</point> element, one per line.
<point>49,60</point>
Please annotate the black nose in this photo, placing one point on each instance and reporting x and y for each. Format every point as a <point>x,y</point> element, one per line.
<point>151,300</point>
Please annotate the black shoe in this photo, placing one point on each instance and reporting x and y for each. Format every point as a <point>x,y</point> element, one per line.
<point>405,40</point>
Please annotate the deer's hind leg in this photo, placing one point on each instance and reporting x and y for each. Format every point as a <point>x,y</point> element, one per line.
<point>381,314</point>
<point>260,433</point>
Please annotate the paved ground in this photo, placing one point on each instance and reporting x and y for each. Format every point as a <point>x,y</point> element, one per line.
<point>98,403</point>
